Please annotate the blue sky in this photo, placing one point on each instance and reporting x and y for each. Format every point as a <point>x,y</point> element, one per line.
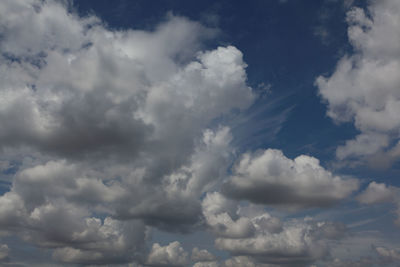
<point>199,133</point>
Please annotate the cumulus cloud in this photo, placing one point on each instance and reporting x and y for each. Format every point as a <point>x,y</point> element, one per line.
<point>171,255</point>
<point>206,264</point>
<point>202,255</point>
<point>110,129</point>
<point>364,88</point>
<point>263,239</point>
<point>377,193</point>
<point>268,177</point>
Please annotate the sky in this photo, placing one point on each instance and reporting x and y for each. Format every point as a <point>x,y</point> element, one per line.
<point>200,133</point>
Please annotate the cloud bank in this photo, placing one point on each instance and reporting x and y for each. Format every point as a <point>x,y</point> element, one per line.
<point>108,134</point>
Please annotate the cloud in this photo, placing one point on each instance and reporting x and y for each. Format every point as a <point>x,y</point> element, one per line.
<point>75,236</point>
<point>202,255</point>
<point>171,255</point>
<point>364,86</point>
<point>110,130</point>
<point>377,193</point>
<point>4,250</point>
<point>261,238</point>
<point>206,264</point>
<point>239,261</point>
<point>268,177</point>
<point>390,255</point>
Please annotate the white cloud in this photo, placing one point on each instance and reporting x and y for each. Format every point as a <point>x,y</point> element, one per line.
<point>268,177</point>
<point>364,88</point>
<point>171,255</point>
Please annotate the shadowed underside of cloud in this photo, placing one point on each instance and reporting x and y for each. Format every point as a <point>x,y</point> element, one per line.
<point>268,177</point>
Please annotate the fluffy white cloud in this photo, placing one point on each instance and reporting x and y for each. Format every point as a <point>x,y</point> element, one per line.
<point>171,255</point>
<point>268,177</point>
<point>364,88</point>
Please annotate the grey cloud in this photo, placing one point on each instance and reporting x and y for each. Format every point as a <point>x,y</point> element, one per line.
<point>4,251</point>
<point>114,97</point>
<point>206,264</point>
<point>390,255</point>
<point>75,236</point>
<point>377,193</point>
<point>239,261</point>
<point>268,177</point>
<point>385,257</point>
<point>203,255</point>
<point>263,239</point>
<point>110,122</point>
<point>171,255</point>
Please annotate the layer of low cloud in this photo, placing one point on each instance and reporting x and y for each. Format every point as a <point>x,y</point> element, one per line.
<point>364,88</point>
<point>268,177</point>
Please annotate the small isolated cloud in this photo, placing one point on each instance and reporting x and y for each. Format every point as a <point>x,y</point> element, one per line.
<point>171,255</point>
<point>268,177</point>
<point>364,86</point>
